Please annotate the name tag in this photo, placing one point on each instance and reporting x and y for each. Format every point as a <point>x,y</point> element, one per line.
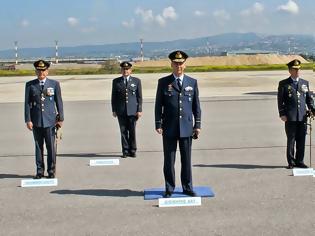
<point>38,182</point>
<point>303,172</point>
<point>180,201</point>
<point>104,162</point>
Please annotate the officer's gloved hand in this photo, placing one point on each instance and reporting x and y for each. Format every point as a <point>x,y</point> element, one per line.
<point>310,114</point>
<point>196,133</point>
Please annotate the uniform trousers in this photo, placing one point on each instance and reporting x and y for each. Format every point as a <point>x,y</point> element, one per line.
<point>296,132</point>
<point>127,125</point>
<point>46,135</point>
<point>169,148</point>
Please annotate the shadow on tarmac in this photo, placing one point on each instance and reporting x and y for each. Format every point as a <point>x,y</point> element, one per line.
<point>15,176</point>
<point>239,166</point>
<point>262,93</point>
<point>101,192</point>
<point>87,155</point>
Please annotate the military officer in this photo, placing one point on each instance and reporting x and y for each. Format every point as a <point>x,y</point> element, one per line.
<point>43,104</point>
<point>293,101</point>
<point>127,107</point>
<point>178,119</point>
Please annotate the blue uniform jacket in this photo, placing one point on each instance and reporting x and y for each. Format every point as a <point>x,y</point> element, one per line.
<point>177,112</point>
<point>42,106</point>
<point>293,102</point>
<point>126,100</point>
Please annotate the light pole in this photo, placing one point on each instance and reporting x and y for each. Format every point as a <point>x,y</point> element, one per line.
<point>16,52</point>
<point>56,55</point>
<point>141,49</point>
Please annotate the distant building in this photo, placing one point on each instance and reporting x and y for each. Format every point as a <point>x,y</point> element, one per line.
<point>137,59</point>
<point>249,52</point>
<point>7,67</point>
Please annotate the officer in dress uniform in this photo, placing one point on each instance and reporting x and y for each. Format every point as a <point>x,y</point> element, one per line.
<point>127,107</point>
<point>178,119</point>
<point>293,100</point>
<point>43,104</point>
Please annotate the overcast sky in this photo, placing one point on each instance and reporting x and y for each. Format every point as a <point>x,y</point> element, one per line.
<point>35,23</point>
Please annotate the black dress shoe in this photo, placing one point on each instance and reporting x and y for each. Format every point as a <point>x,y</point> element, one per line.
<point>190,193</point>
<point>124,155</point>
<point>167,194</point>
<point>290,166</point>
<point>301,165</point>
<point>133,154</point>
<point>38,176</point>
<point>51,176</point>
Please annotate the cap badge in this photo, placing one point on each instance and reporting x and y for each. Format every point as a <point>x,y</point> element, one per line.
<point>178,55</point>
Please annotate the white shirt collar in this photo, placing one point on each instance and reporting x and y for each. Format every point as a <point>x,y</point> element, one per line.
<point>180,77</point>
<point>126,78</point>
<point>42,81</point>
<point>295,80</point>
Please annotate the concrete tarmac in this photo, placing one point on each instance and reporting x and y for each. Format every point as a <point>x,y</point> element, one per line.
<point>240,154</point>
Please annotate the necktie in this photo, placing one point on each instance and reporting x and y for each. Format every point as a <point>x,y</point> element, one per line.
<point>295,83</point>
<point>126,82</point>
<point>42,85</point>
<point>179,84</point>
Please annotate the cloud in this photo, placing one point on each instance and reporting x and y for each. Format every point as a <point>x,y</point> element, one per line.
<point>25,23</point>
<point>129,24</point>
<point>198,13</point>
<point>147,15</point>
<point>160,20</point>
<point>256,9</point>
<point>72,21</point>
<point>291,7</point>
<point>221,15</point>
<point>169,13</point>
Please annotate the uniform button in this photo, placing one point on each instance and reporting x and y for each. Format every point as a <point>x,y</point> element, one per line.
<point>180,101</point>
<point>180,117</point>
<point>42,109</point>
<point>126,101</point>
<point>180,94</point>
<point>180,109</point>
<point>42,105</point>
<point>126,94</point>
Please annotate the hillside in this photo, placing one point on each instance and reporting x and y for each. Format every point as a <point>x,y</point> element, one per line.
<point>204,46</point>
<point>260,59</point>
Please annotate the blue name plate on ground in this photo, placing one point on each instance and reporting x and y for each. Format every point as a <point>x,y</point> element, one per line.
<point>38,182</point>
<point>303,172</point>
<point>180,201</point>
<point>156,193</point>
<point>104,162</point>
